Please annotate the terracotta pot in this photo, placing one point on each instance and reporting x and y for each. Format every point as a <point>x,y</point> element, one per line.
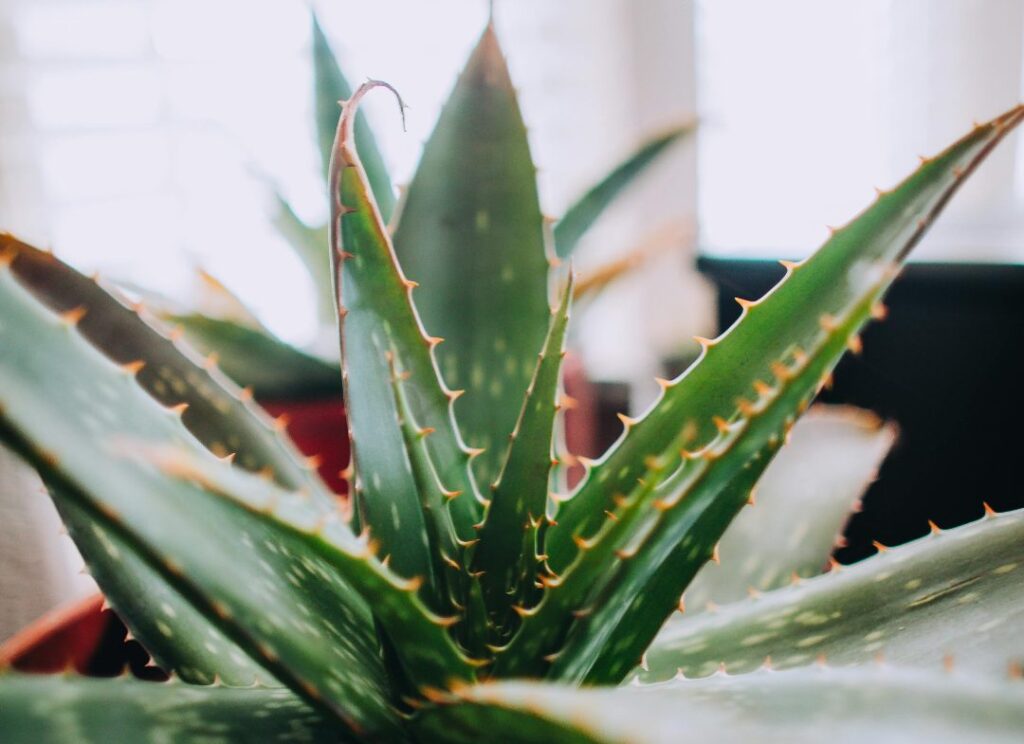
<point>83,636</point>
<point>65,637</point>
<point>581,430</point>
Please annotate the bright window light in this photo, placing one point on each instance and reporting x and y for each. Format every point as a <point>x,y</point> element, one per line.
<point>810,104</point>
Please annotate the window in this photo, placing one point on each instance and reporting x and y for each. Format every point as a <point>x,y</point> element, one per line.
<point>809,104</point>
<point>145,132</point>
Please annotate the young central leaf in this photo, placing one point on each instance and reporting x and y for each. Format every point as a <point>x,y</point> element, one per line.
<point>471,234</point>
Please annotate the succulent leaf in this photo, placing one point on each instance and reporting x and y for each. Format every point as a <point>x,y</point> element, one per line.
<point>726,580</point>
<point>62,708</point>
<point>427,652</point>
<point>788,318</point>
<point>852,272</point>
<point>795,707</point>
<point>331,89</point>
<point>269,367</point>
<point>438,526</point>
<point>579,217</point>
<point>540,638</point>
<point>799,508</point>
<point>250,580</point>
<point>217,322</point>
<point>955,595</point>
<point>510,535</point>
<point>691,508</point>
<point>460,588</point>
<point>181,639</point>
<point>378,316</point>
<point>471,234</point>
<point>649,608</point>
<point>216,411</point>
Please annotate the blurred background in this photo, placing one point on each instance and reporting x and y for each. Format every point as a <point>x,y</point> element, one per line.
<point>144,139</point>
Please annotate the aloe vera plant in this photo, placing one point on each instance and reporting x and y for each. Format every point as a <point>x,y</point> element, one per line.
<point>460,592</point>
<point>243,346</point>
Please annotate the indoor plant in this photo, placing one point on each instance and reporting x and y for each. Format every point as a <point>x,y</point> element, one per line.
<point>302,388</point>
<point>241,573</point>
<point>302,383</point>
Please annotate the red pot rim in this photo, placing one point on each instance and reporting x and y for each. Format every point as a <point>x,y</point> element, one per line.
<point>47,630</point>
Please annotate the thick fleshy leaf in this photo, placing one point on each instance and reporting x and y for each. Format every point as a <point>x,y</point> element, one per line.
<point>801,504</point>
<point>649,607</point>
<point>806,706</point>
<point>267,366</point>
<point>541,636</point>
<point>217,412</point>
<point>331,88</point>
<point>643,616</point>
<point>460,593</point>
<point>811,318</point>
<point>216,322</point>
<point>427,652</point>
<point>664,530</point>
<point>37,709</point>
<point>378,319</point>
<point>954,596</point>
<point>195,648</point>
<point>471,234</point>
<point>750,530</point>
<point>66,406</point>
<point>588,208</point>
<point>507,553</point>
<point>791,316</point>
<point>181,639</point>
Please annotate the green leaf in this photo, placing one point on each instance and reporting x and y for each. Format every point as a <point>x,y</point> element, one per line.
<point>310,245</point>
<point>957,593</point>
<point>427,652</point>
<point>804,706</point>
<point>801,504</point>
<point>471,234</point>
<point>691,509</point>
<point>823,287</point>
<point>460,590</point>
<point>65,406</point>
<point>427,502</point>
<point>57,708</point>
<point>218,413</point>
<point>510,535</point>
<point>589,207</point>
<point>627,578</point>
<point>270,368</point>
<point>751,536</point>
<point>331,88</point>
<point>541,636</point>
<point>818,311</point>
<point>378,317</point>
<point>631,626</point>
<point>180,639</point>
